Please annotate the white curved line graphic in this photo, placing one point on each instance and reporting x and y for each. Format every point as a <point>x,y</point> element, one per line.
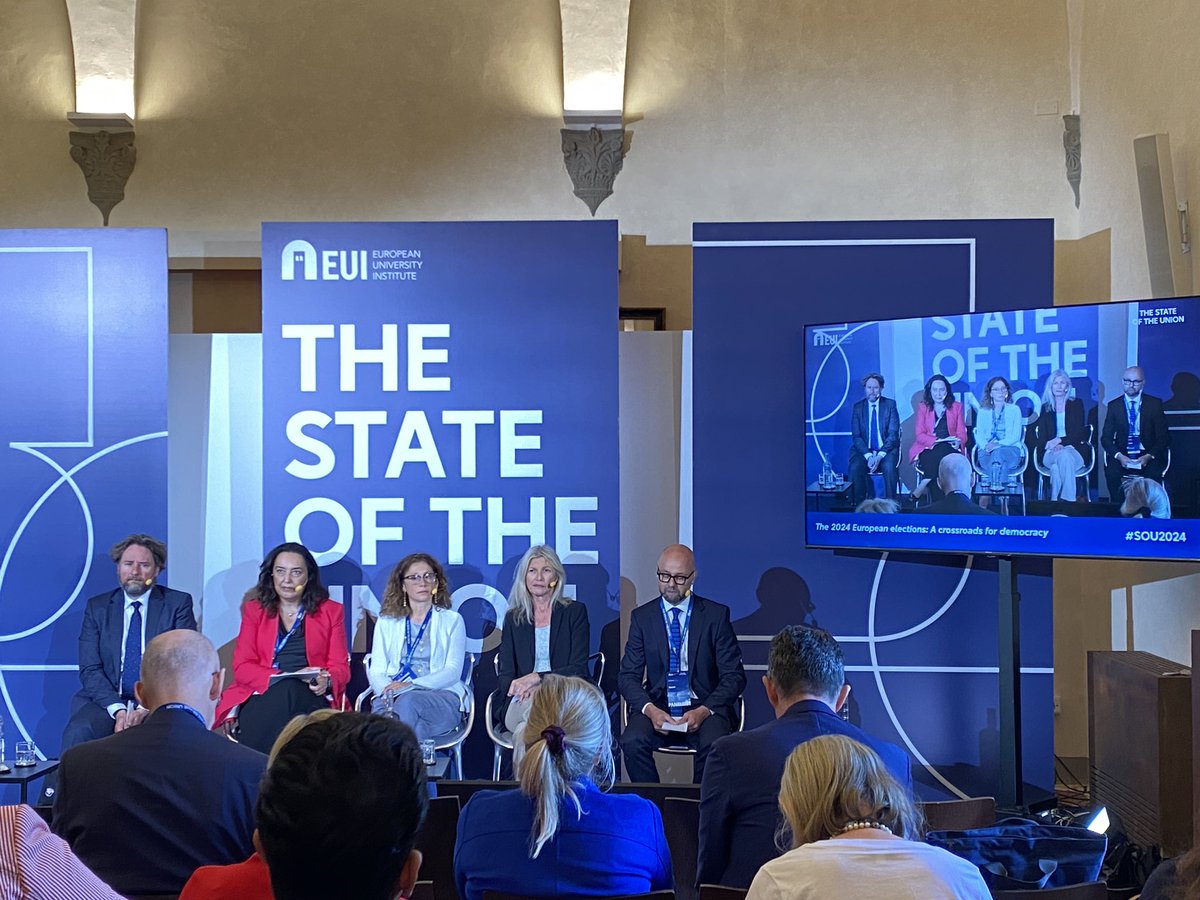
<point>883,695</point>
<point>65,476</point>
<point>817,377</point>
<point>921,626</point>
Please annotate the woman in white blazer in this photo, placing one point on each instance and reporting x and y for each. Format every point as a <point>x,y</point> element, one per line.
<point>999,432</point>
<point>419,648</point>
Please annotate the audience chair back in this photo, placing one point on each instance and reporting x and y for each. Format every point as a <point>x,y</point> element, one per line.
<point>1093,890</point>
<point>681,822</point>
<point>423,890</point>
<point>503,740</point>
<point>721,892</point>
<point>959,815</point>
<point>436,843</point>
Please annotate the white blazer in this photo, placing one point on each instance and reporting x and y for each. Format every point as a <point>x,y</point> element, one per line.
<point>1010,426</point>
<point>447,653</point>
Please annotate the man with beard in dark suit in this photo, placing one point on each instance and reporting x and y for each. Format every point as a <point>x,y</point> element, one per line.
<point>874,440</point>
<point>110,663</point>
<point>739,797</point>
<point>682,667</point>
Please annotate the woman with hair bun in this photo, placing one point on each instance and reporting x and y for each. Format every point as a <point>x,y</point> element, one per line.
<point>559,833</point>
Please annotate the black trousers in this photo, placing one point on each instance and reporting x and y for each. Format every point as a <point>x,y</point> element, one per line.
<point>639,740</point>
<point>263,716</point>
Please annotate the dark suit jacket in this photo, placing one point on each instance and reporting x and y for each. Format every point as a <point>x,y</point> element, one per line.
<point>570,640</point>
<point>739,796</point>
<point>1046,429</point>
<point>956,504</point>
<point>1152,430</point>
<point>146,807</point>
<point>104,626</point>
<point>715,670</point>
<point>889,426</point>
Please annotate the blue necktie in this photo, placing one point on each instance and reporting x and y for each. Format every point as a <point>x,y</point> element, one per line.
<point>676,649</point>
<point>132,668</point>
<point>874,429</point>
<point>1132,444</point>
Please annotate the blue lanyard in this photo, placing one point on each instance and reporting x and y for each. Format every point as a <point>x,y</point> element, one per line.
<point>184,706</point>
<point>280,641</point>
<point>410,645</point>
<point>687,620</point>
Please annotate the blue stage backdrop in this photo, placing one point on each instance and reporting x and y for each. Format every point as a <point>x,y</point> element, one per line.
<point>84,428</point>
<point>919,631</point>
<point>450,388</point>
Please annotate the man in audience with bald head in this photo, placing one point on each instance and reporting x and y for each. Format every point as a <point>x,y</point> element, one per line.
<point>147,806</point>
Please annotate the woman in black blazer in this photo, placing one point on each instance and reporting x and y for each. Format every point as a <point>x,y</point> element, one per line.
<point>1061,435</point>
<point>543,632</point>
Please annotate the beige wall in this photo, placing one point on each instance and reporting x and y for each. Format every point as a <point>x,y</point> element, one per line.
<point>1138,76</point>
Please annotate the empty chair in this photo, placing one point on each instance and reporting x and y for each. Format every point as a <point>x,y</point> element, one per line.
<point>435,840</point>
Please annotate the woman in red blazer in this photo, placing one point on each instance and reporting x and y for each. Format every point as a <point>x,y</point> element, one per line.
<point>941,430</point>
<point>289,624</point>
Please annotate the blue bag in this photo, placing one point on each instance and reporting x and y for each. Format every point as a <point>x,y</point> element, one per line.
<point>1020,854</point>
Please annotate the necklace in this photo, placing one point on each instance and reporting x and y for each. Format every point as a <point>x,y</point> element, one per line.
<point>863,823</point>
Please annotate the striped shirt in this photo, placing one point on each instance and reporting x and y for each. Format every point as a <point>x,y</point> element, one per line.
<point>38,865</point>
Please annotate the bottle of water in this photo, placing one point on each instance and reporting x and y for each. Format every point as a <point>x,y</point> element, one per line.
<point>1,739</point>
<point>826,474</point>
<point>996,479</point>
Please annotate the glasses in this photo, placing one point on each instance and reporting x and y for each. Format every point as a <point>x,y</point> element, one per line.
<point>280,572</point>
<point>665,577</point>
<point>1131,381</point>
<point>424,576</point>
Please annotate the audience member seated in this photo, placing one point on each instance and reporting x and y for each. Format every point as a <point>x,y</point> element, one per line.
<point>878,505</point>
<point>289,624</point>
<point>739,809</point>
<point>144,808</point>
<point>249,880</point>
<point>559,834</point>
<point>1145,498</point>
<point>418,650</point>
<point>856,835</point>
<point>956,478</point>
<point>339,810</point>
<point>36,865</point>
<point>544,631</point>
<point>1174,879</point>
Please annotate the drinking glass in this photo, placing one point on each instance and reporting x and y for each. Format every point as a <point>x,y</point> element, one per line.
<point>26,753</point>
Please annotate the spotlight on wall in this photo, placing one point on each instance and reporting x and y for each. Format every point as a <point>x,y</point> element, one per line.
<point>595,34</point>
<point>103,40</point>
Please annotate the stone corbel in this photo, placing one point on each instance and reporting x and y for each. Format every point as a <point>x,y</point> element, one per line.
<point>106,160</point>
<point>593,159</point>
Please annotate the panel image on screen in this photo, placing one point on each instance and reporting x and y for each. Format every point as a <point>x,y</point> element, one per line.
<point>1070,431</point>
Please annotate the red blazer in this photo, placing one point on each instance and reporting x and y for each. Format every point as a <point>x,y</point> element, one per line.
<point>249,880</point>
<point>324,640</point>
<point>925,437</point>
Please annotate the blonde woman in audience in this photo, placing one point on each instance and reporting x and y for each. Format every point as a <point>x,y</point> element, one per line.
<point>247,880</point>
<point>855,834</point>
<point>1146,498</point>
<point>559,833</point>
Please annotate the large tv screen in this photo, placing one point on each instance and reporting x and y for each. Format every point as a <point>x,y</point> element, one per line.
<point>1072,431</point>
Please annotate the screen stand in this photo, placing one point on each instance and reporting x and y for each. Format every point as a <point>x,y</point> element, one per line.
<point>1010,795</point>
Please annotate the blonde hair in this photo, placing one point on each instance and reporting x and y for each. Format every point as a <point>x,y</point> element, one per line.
<point>553,766</point>
<point>1140,494</point>
<point>832,780</point>
<point>294,726</point>
<point>520,603</point>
